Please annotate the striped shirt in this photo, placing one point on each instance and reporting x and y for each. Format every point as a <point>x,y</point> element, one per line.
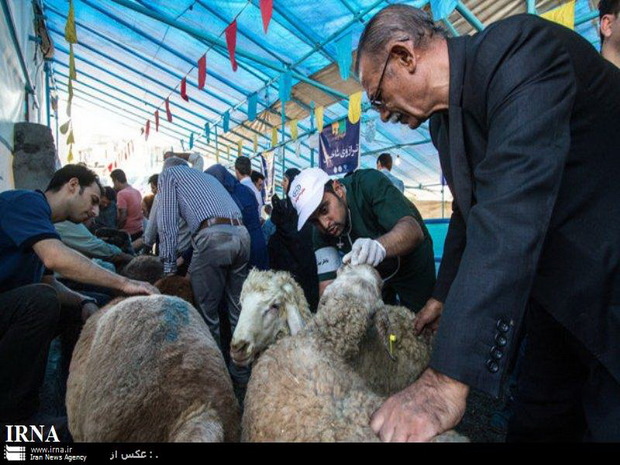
<point>194,196</point>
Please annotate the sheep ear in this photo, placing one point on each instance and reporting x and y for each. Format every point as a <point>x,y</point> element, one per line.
<point>294,319</point>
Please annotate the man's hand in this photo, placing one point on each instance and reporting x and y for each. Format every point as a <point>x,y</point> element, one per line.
<point>428,317</point>
<point>132,287</point>
<point>365,251</point>
<point>432,405</point>
<point>87,310</point>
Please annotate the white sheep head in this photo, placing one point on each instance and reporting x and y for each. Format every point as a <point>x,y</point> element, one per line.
<point>273,305</point>
<point>363,280</point>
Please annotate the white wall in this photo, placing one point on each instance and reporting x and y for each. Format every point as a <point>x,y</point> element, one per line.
<point>13,82</point>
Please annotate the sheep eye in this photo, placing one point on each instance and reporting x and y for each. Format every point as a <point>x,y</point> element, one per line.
<point>274,307</point>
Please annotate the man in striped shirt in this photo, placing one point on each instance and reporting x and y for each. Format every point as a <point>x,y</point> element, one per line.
<point>220,241</point>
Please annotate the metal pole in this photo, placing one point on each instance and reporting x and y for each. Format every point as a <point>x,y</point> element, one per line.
<point>48,105</point>
<point>531,6</point>
<point>468,15</point>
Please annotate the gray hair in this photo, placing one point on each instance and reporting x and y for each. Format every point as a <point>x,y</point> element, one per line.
<point>174,161</point>
<point>396,21</point>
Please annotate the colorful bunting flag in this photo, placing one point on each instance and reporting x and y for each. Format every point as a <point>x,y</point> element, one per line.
<point>318,113</point>
<point>70,99</point>
<point>208,133</point>
<point>441,9</point>
<point>191,141</point>
<point>266,10</point>
<point>217,156</point>
<point>344,55</point>
<point>255,146</point>
<point>231,42</point>
<point>70,155</point>
<point>252,104</point>
<point>285,86</point>
<point>157,120</point>
<point>70,33</point>
<point>168,112</point>
<point>293,126</point>
<point>72,70</point>
<point>64,128</point>
<point>274,136</point>
<point>202,72</point>
<point>70,138</point>
<point>184,89</point>
<point>147,129</point>
<point>239,147</point>
<point>564,15</point>
<point>226,121</point>
<point>355,107</point>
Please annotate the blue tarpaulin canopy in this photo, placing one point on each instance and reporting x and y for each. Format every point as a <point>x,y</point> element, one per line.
<point>131,56</point>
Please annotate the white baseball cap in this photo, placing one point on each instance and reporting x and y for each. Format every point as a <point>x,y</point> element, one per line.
<point>306,193</point>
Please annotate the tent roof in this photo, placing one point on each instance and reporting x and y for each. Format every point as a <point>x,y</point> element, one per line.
<point>132,54</point>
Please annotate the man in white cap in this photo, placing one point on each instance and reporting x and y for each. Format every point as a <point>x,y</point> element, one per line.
<point>366,218</point>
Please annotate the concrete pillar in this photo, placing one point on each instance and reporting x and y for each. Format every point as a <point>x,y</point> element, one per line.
<point>35,159</point>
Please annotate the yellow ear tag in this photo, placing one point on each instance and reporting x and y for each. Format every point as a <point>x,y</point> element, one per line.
<point>392,340</point>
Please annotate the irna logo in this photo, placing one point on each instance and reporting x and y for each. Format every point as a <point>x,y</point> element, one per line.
<point>31,433</point>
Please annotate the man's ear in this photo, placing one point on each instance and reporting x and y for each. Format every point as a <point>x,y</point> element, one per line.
<point>338,189</point>
<point>405,55</point>
<point>73,185</point>
<point>606,22</point>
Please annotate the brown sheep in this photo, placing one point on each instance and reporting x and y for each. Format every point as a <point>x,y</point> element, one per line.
<point>178,286</point>
<point>144,268</point>
<point>147,369</point>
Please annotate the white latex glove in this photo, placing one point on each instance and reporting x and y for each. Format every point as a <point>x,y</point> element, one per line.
<point>365,251</point>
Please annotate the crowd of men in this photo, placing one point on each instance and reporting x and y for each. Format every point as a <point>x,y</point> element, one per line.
<point>531,261</point>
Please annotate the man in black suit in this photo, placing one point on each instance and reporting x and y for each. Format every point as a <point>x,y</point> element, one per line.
<point>526,121</point>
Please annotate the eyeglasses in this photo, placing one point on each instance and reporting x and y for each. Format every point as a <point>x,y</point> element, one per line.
<point>375,101</point>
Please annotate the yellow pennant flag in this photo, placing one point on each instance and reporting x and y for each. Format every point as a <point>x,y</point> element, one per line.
<point>70,33</point>
<point>318,114</point>
<point>70,156</point>
<point>255,143</point>
<point>217,156</point>
<point>355,107</point>
<point>564,15</point>
<point>274,136</point>
<point>70,138</point>
<point>239,148</point>
<point>293,126</point>
<point>64,128</point>
<point>72,72</point>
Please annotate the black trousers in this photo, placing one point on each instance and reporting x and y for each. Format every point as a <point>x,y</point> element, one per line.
<point>563,393</point>
<point>30,317</point>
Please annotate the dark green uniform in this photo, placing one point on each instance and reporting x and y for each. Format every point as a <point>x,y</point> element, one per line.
<point>376,205</point>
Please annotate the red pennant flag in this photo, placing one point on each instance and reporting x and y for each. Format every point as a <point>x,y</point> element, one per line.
<point>110,167</point>
<point>202,71</point>
<point>184,90</point>
<point>266,9</point>
<point>157,120</point>
<point>231,42</point>
<point>168,113</point>
<point>147,130</point>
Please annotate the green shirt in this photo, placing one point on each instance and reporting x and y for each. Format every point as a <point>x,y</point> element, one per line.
<point>376,205</point>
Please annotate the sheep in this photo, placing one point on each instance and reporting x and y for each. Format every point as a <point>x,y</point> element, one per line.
<point>273,306</point>
<point>304,388</point>
<point>177,286</point>
<point>147,369</point>
<point>144,268</point>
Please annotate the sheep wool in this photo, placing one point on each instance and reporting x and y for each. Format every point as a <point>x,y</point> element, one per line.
<point>147,369</point>
<point>304,387</point>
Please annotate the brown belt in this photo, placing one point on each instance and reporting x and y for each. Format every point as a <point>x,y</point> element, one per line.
<point>218,220</point>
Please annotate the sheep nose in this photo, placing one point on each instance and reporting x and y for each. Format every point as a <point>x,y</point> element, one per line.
<point>239,346</point>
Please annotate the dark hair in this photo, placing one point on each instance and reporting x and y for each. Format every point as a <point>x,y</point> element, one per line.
<point>243,165</point>
<point>119,175</point>
<point>385,160</point>
<point>607,7</point>
<point>153,179</point>
<point>109,193</point>
<point>84,176</point>
<point>291,174</point>
<point>402,21</point>
<point>256,176</point>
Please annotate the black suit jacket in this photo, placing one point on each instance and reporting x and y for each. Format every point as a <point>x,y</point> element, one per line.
<point>530,148</point>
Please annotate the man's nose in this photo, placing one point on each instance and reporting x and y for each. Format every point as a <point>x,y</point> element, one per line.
<point>94,211</point>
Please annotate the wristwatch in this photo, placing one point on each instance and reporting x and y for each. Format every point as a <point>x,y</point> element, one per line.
<point>87,300</point>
